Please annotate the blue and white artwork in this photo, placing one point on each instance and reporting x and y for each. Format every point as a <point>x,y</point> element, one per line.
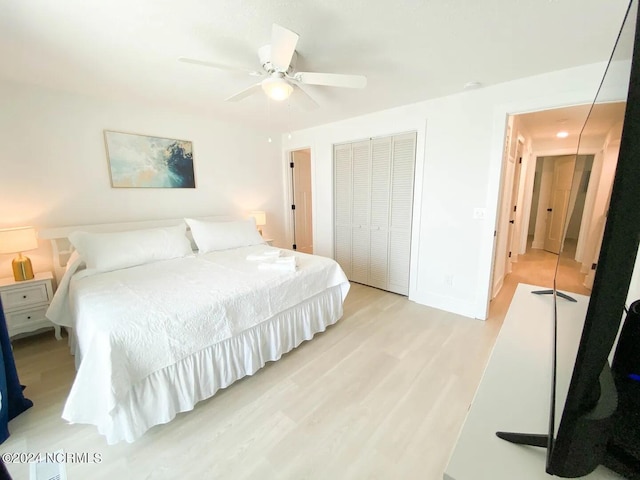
<point>142,161</point>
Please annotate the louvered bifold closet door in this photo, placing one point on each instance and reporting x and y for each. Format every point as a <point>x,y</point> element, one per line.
<point>373,210</point>
<point>342,202</point>
<point>379,231</point>
<point>402,173</point>
<point>361,205</point>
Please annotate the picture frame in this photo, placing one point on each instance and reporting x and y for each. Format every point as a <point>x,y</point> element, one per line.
<point>145,161</point>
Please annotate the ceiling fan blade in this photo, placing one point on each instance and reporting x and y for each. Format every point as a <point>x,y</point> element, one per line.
<point>244,93</point>
<point>332,79</point>
<point>303,99</point>
<point>283,44</point>
<point>220,66</point>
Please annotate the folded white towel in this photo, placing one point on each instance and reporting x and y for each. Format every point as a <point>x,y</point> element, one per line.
<point>267,255</point>
<point>286,260</point>
<point>284,264</point>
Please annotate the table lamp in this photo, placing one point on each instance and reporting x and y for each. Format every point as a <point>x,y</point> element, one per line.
<point>261,219</point>
<point>18,240</point>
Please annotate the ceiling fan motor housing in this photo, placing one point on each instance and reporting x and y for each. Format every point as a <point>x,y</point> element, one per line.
<point>264,54</point>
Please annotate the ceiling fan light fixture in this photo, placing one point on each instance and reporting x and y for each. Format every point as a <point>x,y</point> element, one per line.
<point>277,88</point>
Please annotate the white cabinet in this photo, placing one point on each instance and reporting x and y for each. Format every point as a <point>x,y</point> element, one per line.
<point>373,196</point>
<point>25,303</point>
<point>515,389</point>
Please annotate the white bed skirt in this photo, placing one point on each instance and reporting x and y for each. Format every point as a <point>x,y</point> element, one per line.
<point>177,388</point>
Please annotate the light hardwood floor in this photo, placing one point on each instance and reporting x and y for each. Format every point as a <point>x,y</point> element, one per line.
<point>382,394</point>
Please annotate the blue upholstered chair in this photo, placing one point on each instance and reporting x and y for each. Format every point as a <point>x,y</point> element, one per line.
<point>13,400</point>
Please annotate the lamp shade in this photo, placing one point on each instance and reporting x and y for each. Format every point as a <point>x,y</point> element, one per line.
<point>260,217</point>
<point>277,88</point>
<point>15,240</point>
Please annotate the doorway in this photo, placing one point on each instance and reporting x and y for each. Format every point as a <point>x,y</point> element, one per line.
<point>302,203</point>
<point>563,168</point>
<point>555,206</point>
<point>558,202</point>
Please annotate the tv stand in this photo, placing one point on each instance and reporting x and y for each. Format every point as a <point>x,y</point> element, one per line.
<point>515,389</point>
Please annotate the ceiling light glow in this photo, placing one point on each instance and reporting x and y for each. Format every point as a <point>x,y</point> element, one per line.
<point>277,88</point>
<point>562,134</point>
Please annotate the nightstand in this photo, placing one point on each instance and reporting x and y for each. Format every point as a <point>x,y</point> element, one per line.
<point>26,302</point>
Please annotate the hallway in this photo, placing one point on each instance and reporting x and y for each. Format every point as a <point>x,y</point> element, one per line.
<point>537,267</point>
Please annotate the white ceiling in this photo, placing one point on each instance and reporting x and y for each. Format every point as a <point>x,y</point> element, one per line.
<point>578,120</point>
<point>410,50</point>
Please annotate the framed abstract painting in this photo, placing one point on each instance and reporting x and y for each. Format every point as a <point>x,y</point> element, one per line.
<point>142,161</point>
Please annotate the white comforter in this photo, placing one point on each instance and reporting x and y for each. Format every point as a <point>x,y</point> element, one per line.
<point>130,323</point>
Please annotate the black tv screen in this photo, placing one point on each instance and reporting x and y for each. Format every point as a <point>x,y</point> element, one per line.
<point>595,426</point>
<point>587,420</point>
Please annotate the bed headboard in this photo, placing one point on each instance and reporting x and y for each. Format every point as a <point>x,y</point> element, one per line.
<point>62,248</point>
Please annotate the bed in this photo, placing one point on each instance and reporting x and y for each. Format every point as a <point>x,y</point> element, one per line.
<point>156,328</point>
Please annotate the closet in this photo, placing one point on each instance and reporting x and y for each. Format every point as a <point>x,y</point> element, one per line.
<point>373,203</point>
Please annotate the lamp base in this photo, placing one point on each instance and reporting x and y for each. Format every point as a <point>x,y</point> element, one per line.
<point>22,269</point>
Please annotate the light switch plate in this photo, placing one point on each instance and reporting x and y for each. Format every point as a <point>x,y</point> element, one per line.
<point>479,213</point>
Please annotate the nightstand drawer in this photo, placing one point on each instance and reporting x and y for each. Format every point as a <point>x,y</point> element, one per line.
<point>25,304</point>
<point>25,320</point>
<point>17,297</point>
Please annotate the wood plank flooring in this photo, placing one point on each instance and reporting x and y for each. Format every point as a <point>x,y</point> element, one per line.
<point>380,395</point>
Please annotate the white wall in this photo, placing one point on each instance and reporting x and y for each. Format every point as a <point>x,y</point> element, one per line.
<point>458,164</point>
<point>606,165</point>
<point>54,170</point>
<point>597,199</point>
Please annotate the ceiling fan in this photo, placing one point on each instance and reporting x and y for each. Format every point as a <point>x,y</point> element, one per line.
<point>278,61</point>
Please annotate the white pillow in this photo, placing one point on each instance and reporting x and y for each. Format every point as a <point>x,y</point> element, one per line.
<point>212,236</point>
<point>74,260</point>
<point>111,251</point>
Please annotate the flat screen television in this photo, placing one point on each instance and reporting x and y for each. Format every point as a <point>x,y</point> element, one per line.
<point>586,434</point>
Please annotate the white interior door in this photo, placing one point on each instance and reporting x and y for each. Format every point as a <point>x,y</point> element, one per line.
<point>379,230</point>
<point>373,210</point>
<point>501,230</point>
<point>563,168</point>
<point>401,212</point>
<point>513,205</point>
<point>361,204</point>
<point>342,201</point>
<point>301,180</point>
